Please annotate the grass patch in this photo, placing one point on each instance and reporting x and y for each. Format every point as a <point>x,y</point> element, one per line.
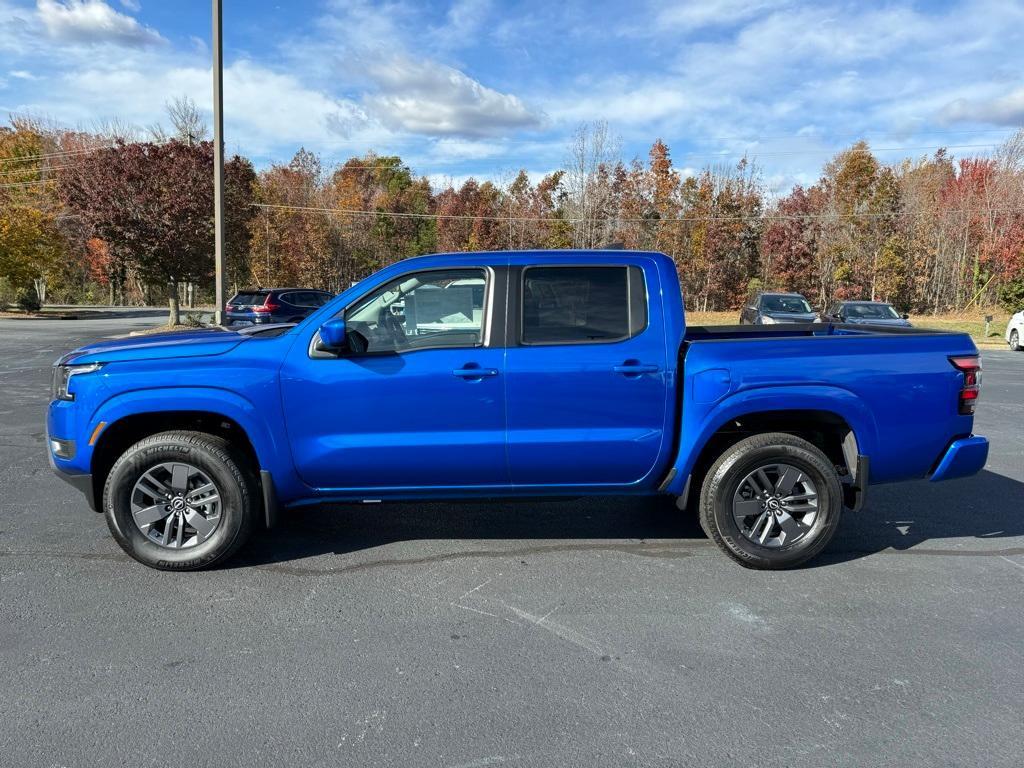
<point>164,329</point>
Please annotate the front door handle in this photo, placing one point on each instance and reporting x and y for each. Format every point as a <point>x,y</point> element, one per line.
<point>472,371</point>
<point>635,368</point>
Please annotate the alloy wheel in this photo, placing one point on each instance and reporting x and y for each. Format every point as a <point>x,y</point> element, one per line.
<point>176,505</point>
<point>775,505</point>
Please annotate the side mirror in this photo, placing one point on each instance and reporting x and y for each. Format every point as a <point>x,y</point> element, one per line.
<point>332,333</point>
<point>905,316</point>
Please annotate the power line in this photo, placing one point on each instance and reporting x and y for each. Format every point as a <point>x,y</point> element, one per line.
<point>48,155</point>
<point>82,151</point>
<point>612,219</point>
<point>341,166</point>
<point>27,183</point>
<point>47,169</point>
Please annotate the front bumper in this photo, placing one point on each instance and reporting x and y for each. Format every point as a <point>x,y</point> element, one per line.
<point>82,482</point>
<point>964,457</point>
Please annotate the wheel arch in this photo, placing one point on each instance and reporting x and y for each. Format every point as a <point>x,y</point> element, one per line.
<point>119,435</point>
<point>833,419</point>
<point>127,418</point>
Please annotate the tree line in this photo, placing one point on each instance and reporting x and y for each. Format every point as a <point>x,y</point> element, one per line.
<point>114,216</point>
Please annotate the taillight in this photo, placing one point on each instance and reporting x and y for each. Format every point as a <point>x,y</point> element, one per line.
<point>267,306</point>
<point>970,367</point>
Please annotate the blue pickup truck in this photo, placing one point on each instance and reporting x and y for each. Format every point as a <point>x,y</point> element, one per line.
<point>504,375</point>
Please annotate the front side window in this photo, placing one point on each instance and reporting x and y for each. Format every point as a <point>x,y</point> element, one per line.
<point>436,308</point>
<point>565,305</point>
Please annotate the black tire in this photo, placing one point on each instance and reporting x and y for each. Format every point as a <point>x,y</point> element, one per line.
<point>1015,341</point>
<point>723,480</point>
<point>216,458</point>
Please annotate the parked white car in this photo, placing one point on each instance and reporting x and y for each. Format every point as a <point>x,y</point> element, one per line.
<point>1015,332</point>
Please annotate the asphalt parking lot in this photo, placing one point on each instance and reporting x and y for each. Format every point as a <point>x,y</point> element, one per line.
<point>537,634</point>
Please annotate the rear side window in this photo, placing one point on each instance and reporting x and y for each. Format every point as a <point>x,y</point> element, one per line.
<point>566,305</point>
<point>304,299</point>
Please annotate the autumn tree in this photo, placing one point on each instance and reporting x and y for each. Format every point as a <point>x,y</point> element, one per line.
<point>153,207</point>
<point>30,240</point>
<point>789,244</point>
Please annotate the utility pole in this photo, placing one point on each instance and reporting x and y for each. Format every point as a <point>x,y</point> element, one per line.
<point>218,162</point>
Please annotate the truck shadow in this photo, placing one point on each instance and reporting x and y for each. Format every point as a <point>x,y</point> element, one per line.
<point>915,518</point>
<point>922,518</point>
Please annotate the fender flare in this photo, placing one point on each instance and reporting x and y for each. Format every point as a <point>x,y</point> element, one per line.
<point>829,399</point>
<point>271,451</point>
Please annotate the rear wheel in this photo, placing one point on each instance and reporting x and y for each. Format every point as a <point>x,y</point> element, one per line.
<point>771,501</point>
<point>180,501</point>
<point>1015,341</point>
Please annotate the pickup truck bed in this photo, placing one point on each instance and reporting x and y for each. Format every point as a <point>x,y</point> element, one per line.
<point>894,387</point>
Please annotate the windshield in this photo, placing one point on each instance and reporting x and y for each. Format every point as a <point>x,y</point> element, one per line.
<point>785,304</point>
<point>872,311</point>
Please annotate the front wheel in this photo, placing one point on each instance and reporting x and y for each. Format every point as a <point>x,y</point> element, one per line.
<point>180,501</point>
<point>1015,341</point>
<point>771,501</point>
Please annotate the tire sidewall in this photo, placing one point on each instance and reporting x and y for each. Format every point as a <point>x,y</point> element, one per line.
<point>1015,341</point>
<point>736,466</point>
<point>117,504</point>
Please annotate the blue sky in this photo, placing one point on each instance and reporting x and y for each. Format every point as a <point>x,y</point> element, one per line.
<point>485,87</point>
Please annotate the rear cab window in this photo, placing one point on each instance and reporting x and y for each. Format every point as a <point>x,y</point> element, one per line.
<point>582,304</point>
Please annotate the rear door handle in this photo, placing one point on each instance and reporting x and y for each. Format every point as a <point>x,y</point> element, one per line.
<point>471,372</point>
<point>635,369</point>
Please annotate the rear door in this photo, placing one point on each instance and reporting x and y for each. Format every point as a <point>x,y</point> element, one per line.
<point>587,388</point>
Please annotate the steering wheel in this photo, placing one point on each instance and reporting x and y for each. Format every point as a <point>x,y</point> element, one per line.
<point>393,326</point>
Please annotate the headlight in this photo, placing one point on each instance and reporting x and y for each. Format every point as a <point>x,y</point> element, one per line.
<point>768,320</point>
<point>62,377</point>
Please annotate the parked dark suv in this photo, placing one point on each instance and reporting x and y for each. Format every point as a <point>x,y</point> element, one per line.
<point>771,308</point>
<point>273,305</point>
<point>871,312</point>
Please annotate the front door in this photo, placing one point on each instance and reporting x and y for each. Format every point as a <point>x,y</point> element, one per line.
<point>420,405</point>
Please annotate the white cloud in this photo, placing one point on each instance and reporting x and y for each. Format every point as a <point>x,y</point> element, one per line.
<point>22,74</point>
<point>131,5</point>
<point>463,23</point>
<point>93,22</point>
<point>1001,110</point>
<point>713,13</point>
<point>622,102</point>
<point>461,149</point>
<point>448,87</point>
<point>263,109</point>
<point>426,97</point>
